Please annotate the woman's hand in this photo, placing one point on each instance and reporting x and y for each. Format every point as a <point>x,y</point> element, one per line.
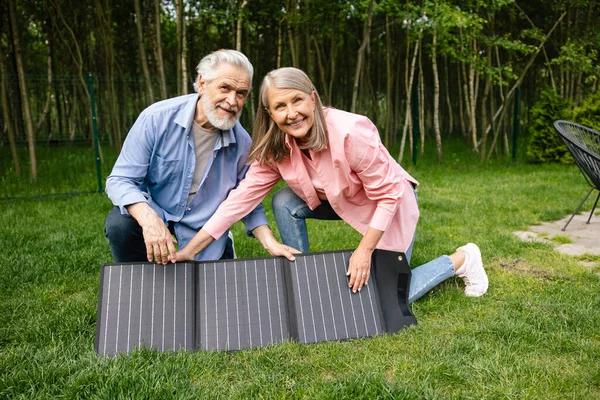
<point>194,247</point>
<point>265,236</point>
<point>359,268</point>
<point>184,255</point>
<point>280,249</point>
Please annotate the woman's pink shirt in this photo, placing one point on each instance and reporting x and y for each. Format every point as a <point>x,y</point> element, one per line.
<point>364,185</point>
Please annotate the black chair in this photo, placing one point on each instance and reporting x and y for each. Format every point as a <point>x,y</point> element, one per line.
<point>584,145</point>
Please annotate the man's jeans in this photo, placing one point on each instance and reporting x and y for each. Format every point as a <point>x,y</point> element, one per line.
<point>126,239</point>
<point>291,212</point>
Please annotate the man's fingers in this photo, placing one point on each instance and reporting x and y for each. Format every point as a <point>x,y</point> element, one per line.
<point>164,254</point>
<point>172,252</point>
<point>149,252</point>
<point>157,256</point>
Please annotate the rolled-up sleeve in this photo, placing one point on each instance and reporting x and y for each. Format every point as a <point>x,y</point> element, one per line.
<point>377,171</point>
<point>131,167</point>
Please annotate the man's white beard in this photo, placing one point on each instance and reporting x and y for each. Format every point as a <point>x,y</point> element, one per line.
<point>210,111</point>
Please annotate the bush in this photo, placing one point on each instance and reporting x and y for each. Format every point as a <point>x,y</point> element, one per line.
<point>545,145</point>
<point>588,113</point>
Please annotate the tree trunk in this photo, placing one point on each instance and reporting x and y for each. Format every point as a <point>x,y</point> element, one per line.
<point>6,115</point>
<point>407,116</point>
<point>78,61</point>
<point>23,88</point>
<point>448,102</point>
<point>279,44</point>
<point>57,92</point>
<point>159,57</point>
<point>240,20</point>
<point>252,98</point>
<point>389,84</point>
<point>461,102</point>
<point>179,72</point>
<point>436,93</point>
<point>142,47</point>
<point>503,107</point>
<point>308,55</point>
<point>398,95</point>
<point>104,27</point>
<point>332,66</point>
<point>48,98</point>
<point>484,109</point>
<point>421,103</point>
<point>473,101</point>
<point>291,36</point>
<point>184,70</point>
<point>320,67</point>
<point>467,99</point>
<point>361,54</point>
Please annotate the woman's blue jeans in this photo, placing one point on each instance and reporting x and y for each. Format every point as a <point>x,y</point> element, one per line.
<point>291,213</point>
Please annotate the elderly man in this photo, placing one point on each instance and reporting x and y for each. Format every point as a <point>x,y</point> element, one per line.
<point>180,160</point>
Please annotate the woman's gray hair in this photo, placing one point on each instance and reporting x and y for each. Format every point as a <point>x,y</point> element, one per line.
<point>268,141</point>
<point>207,67</point>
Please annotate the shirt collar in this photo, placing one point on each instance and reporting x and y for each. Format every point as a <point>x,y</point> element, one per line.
<point>290,143</point>
<point>185,116</point>
<point>228,137</point>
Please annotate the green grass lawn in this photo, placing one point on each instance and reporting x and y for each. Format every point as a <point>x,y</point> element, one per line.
<point>535,334</point>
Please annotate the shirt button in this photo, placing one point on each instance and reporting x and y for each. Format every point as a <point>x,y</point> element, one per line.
<point>189,209</point>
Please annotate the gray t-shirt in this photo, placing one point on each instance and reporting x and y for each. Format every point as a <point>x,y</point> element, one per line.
<point>204,144</point>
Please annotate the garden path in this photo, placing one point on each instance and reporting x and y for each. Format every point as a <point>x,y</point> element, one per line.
<point>579,238</point>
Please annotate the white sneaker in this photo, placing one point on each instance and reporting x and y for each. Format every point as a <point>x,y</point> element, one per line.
<point>472,271</point>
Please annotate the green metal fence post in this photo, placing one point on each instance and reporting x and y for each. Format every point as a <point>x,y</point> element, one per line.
<point>516,123</point>
<point>415,121</point>
<point>95,128</point>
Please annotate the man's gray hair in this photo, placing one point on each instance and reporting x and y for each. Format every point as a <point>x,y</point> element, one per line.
<point>207,67</point>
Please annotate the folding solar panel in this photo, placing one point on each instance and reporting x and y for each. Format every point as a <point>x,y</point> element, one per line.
<point>246,303</point>
<point>241,304</point>
<point>145,305</point>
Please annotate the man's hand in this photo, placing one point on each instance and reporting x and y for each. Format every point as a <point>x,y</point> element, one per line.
<point>157,237</point>
<point>265,236</point>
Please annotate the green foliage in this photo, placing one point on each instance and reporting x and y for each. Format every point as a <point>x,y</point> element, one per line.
<point>545,145</point>
<point>588,113</point>
<point>578,56</point>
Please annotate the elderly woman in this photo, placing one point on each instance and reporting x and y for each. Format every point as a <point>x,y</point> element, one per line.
<point>336,168</point>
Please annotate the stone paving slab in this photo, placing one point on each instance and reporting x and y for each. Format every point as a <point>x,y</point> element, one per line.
<point>584,238</point>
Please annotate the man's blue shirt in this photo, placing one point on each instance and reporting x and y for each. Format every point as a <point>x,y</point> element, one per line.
<point>157,163</point>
